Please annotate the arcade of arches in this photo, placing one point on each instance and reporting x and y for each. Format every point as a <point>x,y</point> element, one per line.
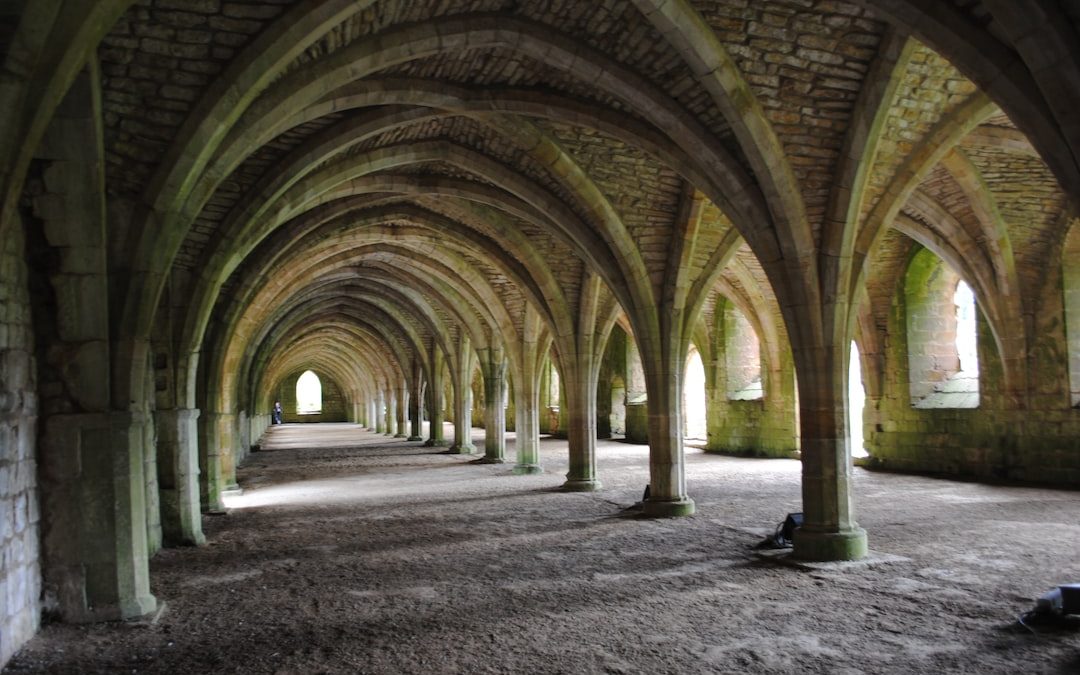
<point>524,216</point>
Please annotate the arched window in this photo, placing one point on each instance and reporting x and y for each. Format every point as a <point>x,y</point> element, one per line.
<point>694,422</point>
<point>942,327</point>
<point>966,330</point>
<point>553,385</point>
<point>742,356</point>
<point>308,394</point>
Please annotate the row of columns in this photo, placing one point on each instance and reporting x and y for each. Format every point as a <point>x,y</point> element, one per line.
<point>183,433</point>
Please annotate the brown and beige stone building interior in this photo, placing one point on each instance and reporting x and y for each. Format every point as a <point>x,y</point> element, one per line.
<point>816,256</point>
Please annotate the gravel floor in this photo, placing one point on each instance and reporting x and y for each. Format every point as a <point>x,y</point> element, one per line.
<point>352,552</point>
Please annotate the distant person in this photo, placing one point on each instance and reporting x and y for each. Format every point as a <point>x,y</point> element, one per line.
<point>275,416</point>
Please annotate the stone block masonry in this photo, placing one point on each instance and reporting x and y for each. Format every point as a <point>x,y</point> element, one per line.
<point>20,577</point>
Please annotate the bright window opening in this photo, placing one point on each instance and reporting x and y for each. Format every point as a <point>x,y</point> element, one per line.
<point>308,394</point>
<point>553,386</point>
<point>694,397</point>
<point>856,404</point>
<point>942,332</point>
<point>966,330</point>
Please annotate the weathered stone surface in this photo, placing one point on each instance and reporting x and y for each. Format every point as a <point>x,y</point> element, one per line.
<point>386,193</point>
<point>20,573</point>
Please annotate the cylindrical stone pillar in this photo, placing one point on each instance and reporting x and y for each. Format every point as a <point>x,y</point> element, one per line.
<point>494,413</point>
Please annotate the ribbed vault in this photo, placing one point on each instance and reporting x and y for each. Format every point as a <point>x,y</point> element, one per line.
<point>394,193</point>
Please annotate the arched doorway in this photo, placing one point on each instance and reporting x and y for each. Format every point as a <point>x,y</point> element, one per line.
<point>694,418</point>
<point>308,394</point>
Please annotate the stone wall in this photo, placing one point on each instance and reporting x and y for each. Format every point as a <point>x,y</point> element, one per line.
<point>746,415</point>
<point>637,423</point>
<point>930,323</point>
<point>611,387</point>
<point>334,406</point>
<point>742,351</point>
<point>20,576</point>
<point>998,440</point>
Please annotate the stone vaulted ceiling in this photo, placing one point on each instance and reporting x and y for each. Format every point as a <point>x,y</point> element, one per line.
<point>293,181</point>
<point>423,198</point>
<point>279,171</point>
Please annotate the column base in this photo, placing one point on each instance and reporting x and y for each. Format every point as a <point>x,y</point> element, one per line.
<point>197,539</point>
<point>587,485</point>
<point>491,460</point>
<point>141,605</point>
<point>415,438</point>
<point>213,505</point>
<point>527,469</point>
<point>830,546</point>
<point>432,443</point>
<point>462,449</point>
<point>400,436</point>
<point>668,508</point>
<point>128,609</point>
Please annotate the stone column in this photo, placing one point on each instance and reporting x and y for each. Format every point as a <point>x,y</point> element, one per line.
<point>667,470</point>
<point>391,412</point>
<point>435,407</point>
<point>527,425</point>
<point>402,407</point>
<point>415,401</point>
<point>494,374</point>
<point>463,400</point>
<point>534,348</point>
<point>463,422</point>
<point>829,530</point>
<point>95,545</point>
<point>92,466</point>
<point>580,391</point>
<point>227,452</point>
<point>178,476</point>
<point>380,416</point>
<point>151,490</point>
<point>372,413</point>
<point>211,480</point>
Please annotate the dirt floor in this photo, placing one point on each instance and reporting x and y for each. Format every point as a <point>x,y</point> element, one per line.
<point>351,552</point>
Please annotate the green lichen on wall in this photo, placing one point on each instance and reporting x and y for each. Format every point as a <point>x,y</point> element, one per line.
<point>1035,438</point>
<point>762,427</point>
